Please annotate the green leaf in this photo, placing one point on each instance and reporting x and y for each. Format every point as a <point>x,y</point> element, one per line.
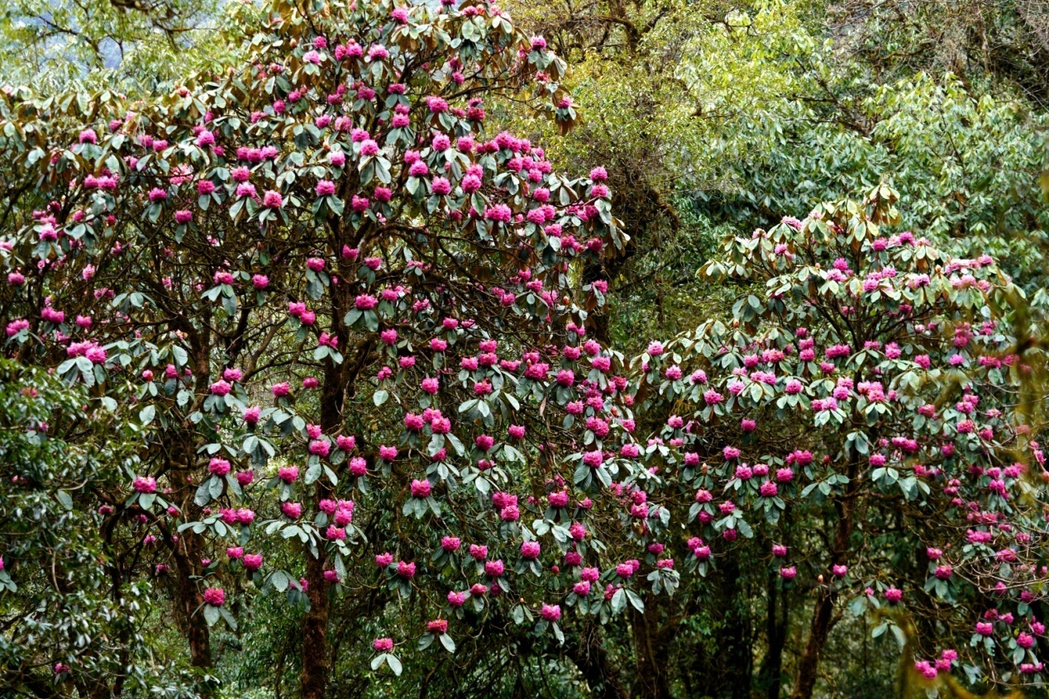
<point>456,444</point>
<point>64,500</point>
<point>279,580</point>
<point>331,475</point>
<point>901,637</point>
<point>228,617</point>
<point>582,473</point>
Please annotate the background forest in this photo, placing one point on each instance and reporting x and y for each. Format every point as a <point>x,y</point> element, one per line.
<point>712,118</point>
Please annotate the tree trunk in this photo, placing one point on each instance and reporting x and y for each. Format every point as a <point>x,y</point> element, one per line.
<point>185,548</point>
<point>651,653</point>
<point>590,656</point>
<point>316,663</point>
<point>314,681</point>
<point>737,631</point>
<point>187,600</point>
<point>181,444</point>
<point>600,328</point>
<point>818,631</point>
<point>823,612</point>
<point>771,673</point>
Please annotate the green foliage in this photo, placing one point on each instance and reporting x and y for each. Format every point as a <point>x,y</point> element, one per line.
<point>713,118</point>
<point>123,44</point>
<point>719,114</point>
<point>92,606</point>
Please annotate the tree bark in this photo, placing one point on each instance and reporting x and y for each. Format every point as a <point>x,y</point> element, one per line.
<point>651,653</point>
<point>600,329</point>
<point>818,631</point>
<point>315,669</point>
<point>737,631</point>
<point>771,673</point>
<point>316,663</point>
<point>187,600</point>
<point>185,554</point>
<point>822,613</point>
<point>590,656</point>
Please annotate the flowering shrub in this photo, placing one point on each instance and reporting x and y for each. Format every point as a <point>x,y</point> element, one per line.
<point>325,294</point>
<point>346,327</point>
<point>868,381</point>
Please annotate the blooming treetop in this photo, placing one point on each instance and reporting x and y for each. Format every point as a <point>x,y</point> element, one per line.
<point>324,291</point>
<point>346,320</point>
<point>887,375</point>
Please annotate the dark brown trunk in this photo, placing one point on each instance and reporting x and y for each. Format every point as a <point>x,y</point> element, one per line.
<point>823,612</point>
<point>590,656</point>
<point>315,669</point>
<point>187,600</point>
<point>316,663</point>
<point>182,445</point>
<point>736,630</point>
<point>771,674</point>
<point>600,329</point>
<point>185,549</point>
<point>651,655</point>
<point>818,631</point>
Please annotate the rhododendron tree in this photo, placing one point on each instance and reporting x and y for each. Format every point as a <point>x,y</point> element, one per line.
<point>866,382</point>
<point>343,317</point>
<point>327,338</point>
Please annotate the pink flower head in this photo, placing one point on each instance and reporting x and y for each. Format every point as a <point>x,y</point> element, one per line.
<point>145,484</point>
<point>219,467</point>
<point>530,550</point>
<point>214,596</point>
<point>252,415</point>
<point>420,488</point>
